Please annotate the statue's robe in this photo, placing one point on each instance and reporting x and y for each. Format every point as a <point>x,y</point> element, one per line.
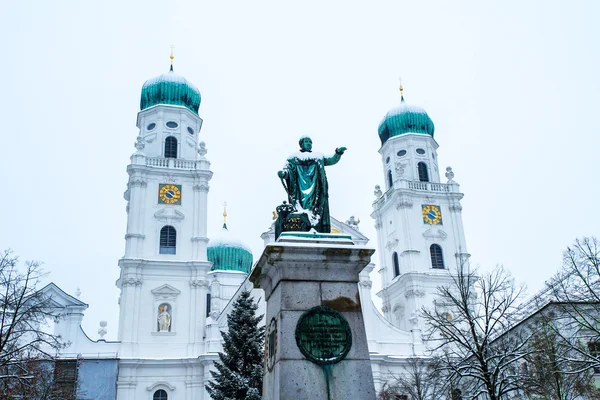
<point>307,188</point>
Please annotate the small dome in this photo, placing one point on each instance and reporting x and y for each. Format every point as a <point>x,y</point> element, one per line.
<point>228,253</point>
<point>170,88</point>
<point>405,119</point>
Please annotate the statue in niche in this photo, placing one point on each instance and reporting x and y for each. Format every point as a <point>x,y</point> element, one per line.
<point>303,178</point>
<point>164,318</point>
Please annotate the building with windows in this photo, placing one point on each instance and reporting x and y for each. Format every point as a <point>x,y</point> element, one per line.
<point>177,284</point>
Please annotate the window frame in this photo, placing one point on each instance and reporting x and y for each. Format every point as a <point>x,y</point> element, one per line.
<point>436,259</point>
<point>170,240</point>
<point>173,147</point>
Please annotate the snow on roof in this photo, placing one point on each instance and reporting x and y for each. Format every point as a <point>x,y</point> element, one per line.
<point>226,239</point>
<point>170,77</point>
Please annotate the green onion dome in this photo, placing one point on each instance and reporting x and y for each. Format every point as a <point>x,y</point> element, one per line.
<point>228,253</point>
<point>170,88</point>
<point>405,119</point>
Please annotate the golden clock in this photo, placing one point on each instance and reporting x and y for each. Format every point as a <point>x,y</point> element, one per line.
<point>432,215</point>
<point>169,194</point>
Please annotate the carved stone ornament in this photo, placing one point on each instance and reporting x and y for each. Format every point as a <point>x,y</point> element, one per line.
<point>400,169</point>
<point>391,244</point>
<point>378,193</point>
<point>131,282</point>
<point>414,319</point>
<point>165,292</point>
<point>170,178</point>
<point>404,202</point>
<point>366,284</point>
<point>455,208</point>
<point>385,308</point>
<point>140,144</point>
<point>190,142</point>
<point>435,234</point>
<point>450,175</point>
<point>202,149</point>
<point>414,293</point>
<point>377,225</point>
<point>198,283</point>
<point>138,182</point>
<point>169,215</point>
<point>215,314</point>
<point>150,138</point>
<point>202,187</point>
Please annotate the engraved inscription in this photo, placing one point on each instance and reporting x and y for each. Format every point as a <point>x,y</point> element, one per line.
<point>323,335</point>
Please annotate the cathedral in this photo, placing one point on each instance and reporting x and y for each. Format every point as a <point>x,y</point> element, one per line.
<point>177,284</point>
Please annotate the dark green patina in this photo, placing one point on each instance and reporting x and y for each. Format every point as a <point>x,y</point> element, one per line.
<point>171,89</point>
<point>323,335</point>
<point>305,182</point>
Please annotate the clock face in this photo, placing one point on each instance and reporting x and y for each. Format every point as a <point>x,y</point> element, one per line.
<point>169,194</point>
<point>432,215</point>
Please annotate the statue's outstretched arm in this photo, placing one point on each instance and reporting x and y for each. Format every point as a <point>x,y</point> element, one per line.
<point>336,157</point>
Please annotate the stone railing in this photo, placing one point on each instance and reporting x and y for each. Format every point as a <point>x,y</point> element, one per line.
<point>429,186</point>
<point>170,163</point>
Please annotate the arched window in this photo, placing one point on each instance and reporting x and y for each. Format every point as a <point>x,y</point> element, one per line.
<point>423,173</point>
<point>170,147</point>
<point>160,395</point>
<point>437,259</point>
<point>390,180</point>
<point>168,240</point>
<point>396,264</point>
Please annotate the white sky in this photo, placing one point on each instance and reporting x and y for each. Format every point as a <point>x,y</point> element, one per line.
<point>512,89</point>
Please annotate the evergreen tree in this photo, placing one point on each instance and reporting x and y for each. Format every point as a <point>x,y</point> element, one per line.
<point>239,373</point>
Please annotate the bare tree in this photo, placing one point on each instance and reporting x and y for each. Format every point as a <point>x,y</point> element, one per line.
<point>466,330</point>
<point>420,380</point>
<point>24,313</point>
<point>576,290</point>
<point>551,371</point>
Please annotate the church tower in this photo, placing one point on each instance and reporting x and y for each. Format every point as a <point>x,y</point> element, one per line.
<point>418,218</point>
<point>164,279</point>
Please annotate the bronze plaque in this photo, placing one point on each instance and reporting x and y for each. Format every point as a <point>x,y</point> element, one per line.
<point>323,335</point>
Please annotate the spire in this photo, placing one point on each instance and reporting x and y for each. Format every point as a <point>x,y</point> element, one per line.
<point>401,91</point>
<point>172,56</point>
<point>224,215</point>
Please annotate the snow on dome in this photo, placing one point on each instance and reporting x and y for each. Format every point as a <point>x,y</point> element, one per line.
<point>405,119</point>
<point>170,89</point>
<point>227,239</point>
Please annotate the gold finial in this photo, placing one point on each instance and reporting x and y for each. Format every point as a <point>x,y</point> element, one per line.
<point>172,56</point>
<point>401,90</point>
<point>224,214</point>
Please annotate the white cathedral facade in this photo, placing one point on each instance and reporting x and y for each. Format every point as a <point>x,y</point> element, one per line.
<point>177,285</point>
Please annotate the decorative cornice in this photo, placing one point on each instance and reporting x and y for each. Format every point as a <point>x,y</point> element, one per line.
<point>169,214</point>
<point>366,284</point>
<point>455,208</point>
<point>433,233</point>
<point>138,182</point>
<point>161,384</point>
<point>414,293</point>
<point>131,282</point>
<point>199,239</point>
<point>197,283</point>
<point>201,188</point>
<point>404,204</point>
<point>165,292</point>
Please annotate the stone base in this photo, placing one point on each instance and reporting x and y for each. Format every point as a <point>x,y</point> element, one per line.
<point>297,277</point>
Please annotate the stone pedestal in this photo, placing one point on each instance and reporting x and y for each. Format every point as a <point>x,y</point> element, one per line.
<point>297,275</point>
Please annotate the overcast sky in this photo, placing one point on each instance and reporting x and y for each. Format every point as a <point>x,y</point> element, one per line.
<point>512,88</point>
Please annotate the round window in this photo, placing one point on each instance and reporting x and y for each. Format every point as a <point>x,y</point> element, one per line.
<point>420,151</point>
<point>190,131</point>
<point>151,126</point>
<point>401,153</point>
<point>172,124</point>
<point>387,160</point>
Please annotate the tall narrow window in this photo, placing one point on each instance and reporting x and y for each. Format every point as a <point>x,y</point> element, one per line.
<point>170,147</point>
<point>437,259</point>
<point>423,173</point>
<point>168,240</point>
<point>396,264</point>
<point>160,395</point>
<point>390,180</point>
<point>207,304</point>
